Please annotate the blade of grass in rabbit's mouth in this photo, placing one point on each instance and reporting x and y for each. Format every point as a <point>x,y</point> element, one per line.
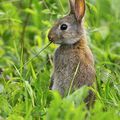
<point>31,59</point>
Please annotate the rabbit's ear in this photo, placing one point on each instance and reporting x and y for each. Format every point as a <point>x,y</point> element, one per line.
<point>79,9</point>
<point>72,6</point>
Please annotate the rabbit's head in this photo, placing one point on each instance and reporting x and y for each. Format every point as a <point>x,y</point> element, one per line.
<point>69,29</point>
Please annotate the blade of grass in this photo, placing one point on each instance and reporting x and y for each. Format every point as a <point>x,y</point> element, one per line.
<point>35,55</point>
<point>76,70</point>
<point>61,5</point>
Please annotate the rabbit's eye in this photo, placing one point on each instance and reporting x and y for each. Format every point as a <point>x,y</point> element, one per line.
<point>63,27</point>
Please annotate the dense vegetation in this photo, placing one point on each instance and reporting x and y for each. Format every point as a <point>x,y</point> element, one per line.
<point>24,91</point>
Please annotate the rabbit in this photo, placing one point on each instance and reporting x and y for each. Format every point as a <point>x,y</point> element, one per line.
<point>73,52</point>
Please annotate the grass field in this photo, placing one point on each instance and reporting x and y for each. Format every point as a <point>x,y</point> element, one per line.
<point>24,82</point>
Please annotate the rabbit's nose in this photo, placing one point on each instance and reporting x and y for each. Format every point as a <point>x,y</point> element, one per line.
<point>51,37</point>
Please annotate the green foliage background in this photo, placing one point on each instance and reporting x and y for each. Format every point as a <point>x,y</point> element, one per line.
<point>24,92</point>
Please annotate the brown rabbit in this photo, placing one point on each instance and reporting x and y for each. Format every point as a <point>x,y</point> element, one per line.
<point>73,52</point>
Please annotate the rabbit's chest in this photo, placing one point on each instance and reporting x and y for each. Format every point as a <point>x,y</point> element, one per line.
<point>65,63</point>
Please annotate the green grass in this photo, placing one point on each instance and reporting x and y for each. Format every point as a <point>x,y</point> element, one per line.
<point>24,91</point>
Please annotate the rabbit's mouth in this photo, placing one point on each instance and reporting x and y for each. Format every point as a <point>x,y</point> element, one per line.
<point>52,39</point>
